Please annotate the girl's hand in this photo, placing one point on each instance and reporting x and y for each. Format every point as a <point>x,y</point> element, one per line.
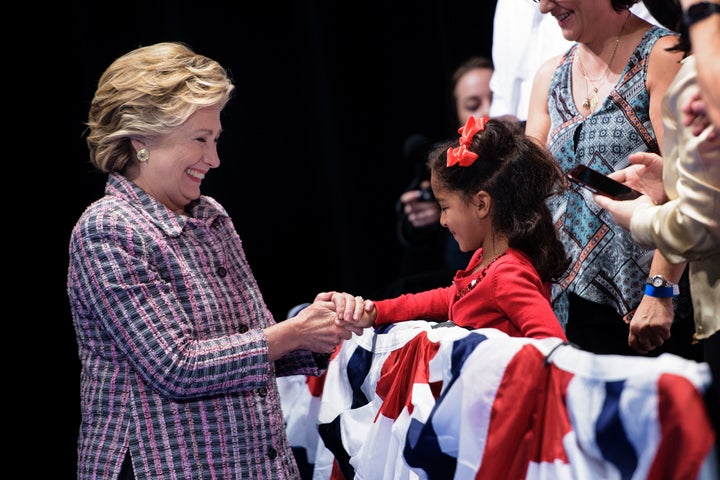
<point>350,309</point>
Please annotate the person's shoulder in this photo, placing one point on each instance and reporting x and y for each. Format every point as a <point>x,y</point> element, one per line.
<point>210,202</point>
<point>548,67</point>
<point>659,35</point>
<point>102,214</point>
<point>515,265</point>
<point>553,62</point>
<point>662,55</point>
<point>513,256</point>
<point>209,208</point>
<point>666,40</point>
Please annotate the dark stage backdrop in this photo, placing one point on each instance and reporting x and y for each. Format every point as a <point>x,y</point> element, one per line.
<point>312,151</point>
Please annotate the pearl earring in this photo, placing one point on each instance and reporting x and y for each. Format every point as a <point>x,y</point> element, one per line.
<point>143,155</point>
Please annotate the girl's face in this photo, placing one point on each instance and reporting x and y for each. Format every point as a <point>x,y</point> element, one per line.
<point>464,219</point>
<point>179,160</point>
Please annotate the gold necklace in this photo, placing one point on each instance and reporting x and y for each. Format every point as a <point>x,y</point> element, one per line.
<point>465,290</point>
<point>591,102</point>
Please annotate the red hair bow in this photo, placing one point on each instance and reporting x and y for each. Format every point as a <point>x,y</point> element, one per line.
<point>461,155</point>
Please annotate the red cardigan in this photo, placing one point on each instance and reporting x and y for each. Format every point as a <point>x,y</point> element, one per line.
<point>509,297</point>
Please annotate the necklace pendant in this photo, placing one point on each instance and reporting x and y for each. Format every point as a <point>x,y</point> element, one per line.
<point>593,102</point>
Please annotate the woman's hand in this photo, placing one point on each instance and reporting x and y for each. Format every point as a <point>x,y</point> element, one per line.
<point>352,311</point>
<point>622,210</point>
<point>650,325</point>
<point>644,174</point>
<point>694,115</point>
<point>420,213</point>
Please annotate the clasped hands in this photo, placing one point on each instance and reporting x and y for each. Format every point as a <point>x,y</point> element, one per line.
<point>352,313</point>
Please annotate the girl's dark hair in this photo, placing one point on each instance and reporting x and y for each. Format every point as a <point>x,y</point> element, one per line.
<point>519,175</point>
<point>669,14</point>
<point>620,5</point>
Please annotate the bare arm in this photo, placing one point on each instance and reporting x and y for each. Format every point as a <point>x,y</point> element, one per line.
<point>662,68</point>
<point>538,121</point>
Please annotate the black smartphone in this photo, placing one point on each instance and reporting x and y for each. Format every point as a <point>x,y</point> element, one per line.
<point>601,184</point>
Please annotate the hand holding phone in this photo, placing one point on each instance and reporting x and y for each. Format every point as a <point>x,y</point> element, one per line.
<point>601,184</point>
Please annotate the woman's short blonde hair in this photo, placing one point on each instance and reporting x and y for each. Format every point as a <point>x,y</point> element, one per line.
<point>147,92</point>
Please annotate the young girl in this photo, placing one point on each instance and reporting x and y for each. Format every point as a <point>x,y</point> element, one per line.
<point>491,185</point>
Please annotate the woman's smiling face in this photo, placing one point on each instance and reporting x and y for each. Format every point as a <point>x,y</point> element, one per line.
<point>180,159</point>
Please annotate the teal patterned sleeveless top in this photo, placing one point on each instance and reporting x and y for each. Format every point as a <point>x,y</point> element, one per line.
<point>607,267</point>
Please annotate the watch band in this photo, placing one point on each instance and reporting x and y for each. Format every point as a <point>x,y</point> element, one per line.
<point>699,11</point>
<point>662,292</point>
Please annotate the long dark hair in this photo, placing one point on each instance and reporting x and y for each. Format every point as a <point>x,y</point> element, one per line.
<point>669,14</point>
<point>620,5</point>
<point>519,175</point>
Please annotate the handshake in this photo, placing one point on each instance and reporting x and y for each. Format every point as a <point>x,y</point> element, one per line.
<point>331,318</point>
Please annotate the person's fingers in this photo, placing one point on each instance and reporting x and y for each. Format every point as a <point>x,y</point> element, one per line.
<point>698,127</point>
<point>352,329</point>
<point>410,196</point>
<point>638,346</point>
<point>644,158</point>
<point>422,209</point>
<point>423,215</point>
<point>602,201</point>
<point>714,133</point>
<point>338,300</point>
<point>348,307</point>
<point>647,342</point>
<point>359,308</point>
<point>324,296</point>
<point>352,326</point>
<point>637,342</point>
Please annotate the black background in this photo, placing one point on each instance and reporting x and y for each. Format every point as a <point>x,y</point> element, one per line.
<point>312,150</point>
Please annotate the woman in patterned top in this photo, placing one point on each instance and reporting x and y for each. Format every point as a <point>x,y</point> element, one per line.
<point>179,352</point>
<point>595,105</point>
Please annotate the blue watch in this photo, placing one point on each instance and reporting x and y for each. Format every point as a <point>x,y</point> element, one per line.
<point>657,286</point>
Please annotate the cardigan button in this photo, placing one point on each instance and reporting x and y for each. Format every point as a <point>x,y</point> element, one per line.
<point>272,453</point>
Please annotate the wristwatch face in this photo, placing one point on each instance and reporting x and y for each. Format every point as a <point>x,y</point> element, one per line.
<point>657,281</point>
